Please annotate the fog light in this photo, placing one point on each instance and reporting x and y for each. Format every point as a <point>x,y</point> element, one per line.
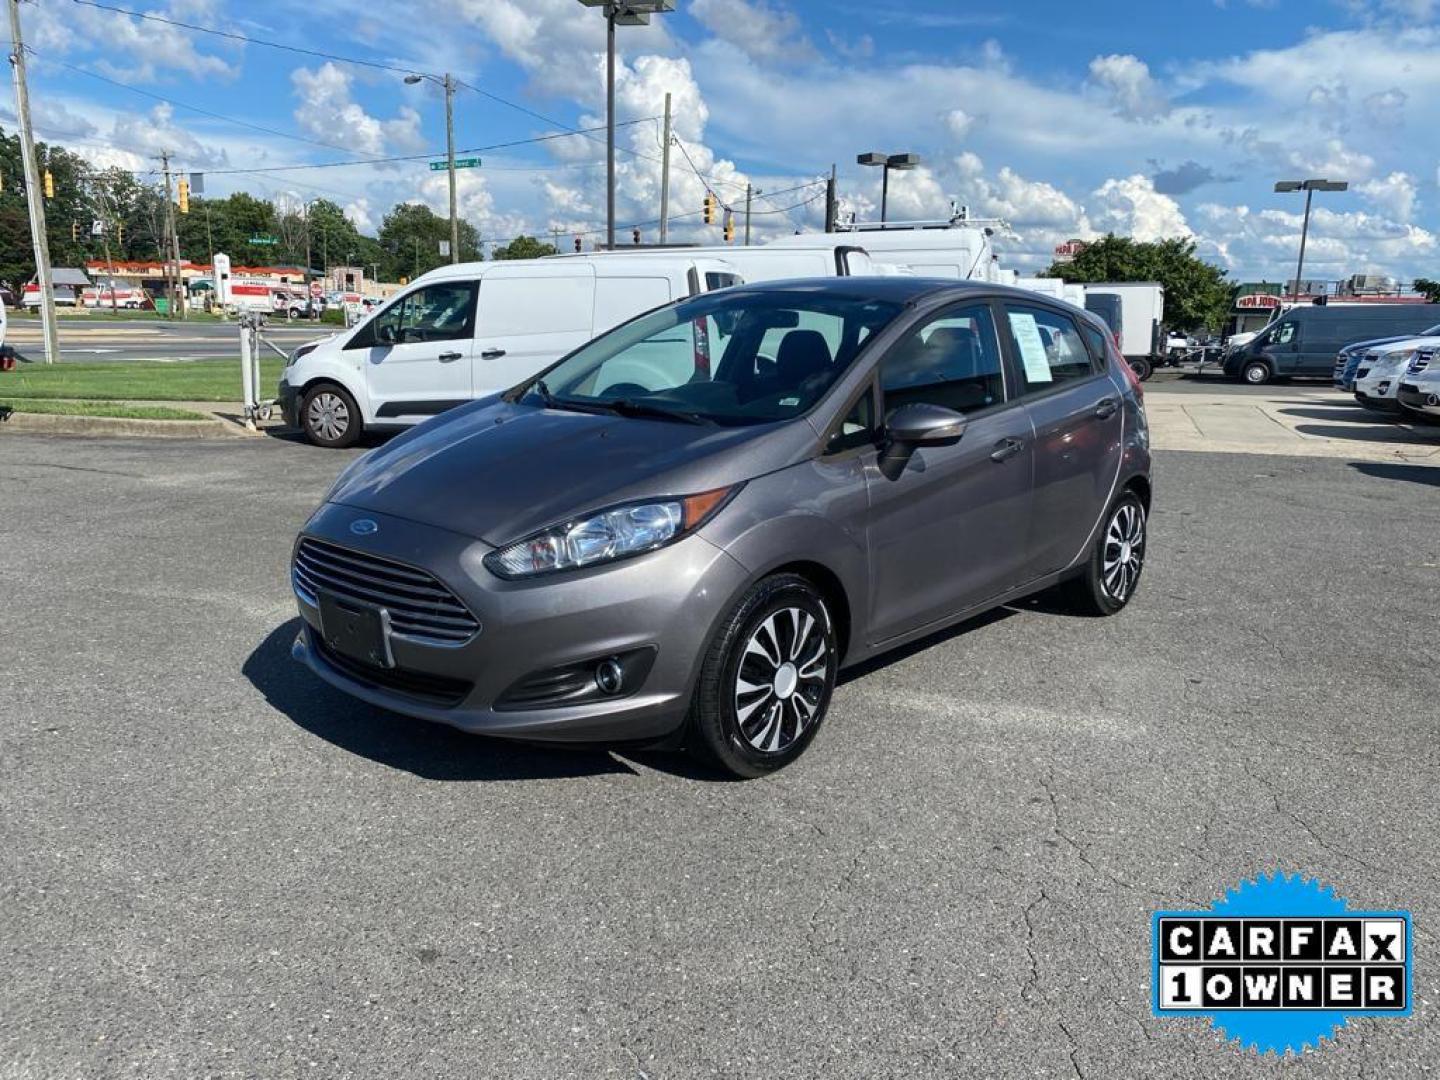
<point>609,676</point>
<point>1432,401</point>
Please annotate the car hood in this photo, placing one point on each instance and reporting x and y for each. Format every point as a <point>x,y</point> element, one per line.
<point>1406,345</point>
<point>498,471</point>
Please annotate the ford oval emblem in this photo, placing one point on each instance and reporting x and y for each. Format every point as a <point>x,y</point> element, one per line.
<point>363,527</point>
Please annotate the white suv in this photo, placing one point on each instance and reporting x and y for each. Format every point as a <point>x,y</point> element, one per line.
<point>1420,384</point>
<point>1381,368</point>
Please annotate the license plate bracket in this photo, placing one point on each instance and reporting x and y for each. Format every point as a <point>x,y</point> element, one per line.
<point>355,630</point>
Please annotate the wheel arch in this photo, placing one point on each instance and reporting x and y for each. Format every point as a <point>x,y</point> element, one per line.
<point>1141,486</point>
<point>829,585</point>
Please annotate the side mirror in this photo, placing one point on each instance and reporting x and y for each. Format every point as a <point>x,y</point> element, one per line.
<point>924,425</point>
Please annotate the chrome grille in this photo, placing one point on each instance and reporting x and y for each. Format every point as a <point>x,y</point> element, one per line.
<point>420,607</point>
<point>1420,363</point>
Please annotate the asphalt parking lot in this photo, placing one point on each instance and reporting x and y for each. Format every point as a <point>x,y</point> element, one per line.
<point>214,865</point>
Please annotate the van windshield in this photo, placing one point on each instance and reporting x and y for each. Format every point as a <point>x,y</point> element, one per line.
<point>732,357</point>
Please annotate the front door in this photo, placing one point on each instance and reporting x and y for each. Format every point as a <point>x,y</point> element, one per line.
<point>948,524</point>
<point>418,352</point>
<point>1076,411</point>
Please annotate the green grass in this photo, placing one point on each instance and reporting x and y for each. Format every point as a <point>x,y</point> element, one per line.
<point>104,312</point>
<point>98,408</point>
<point>139,380</point>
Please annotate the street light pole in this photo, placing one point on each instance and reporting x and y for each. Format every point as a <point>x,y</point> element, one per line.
<point>618,13</point>
<point>886,162</point>
<point>1309,187</point>
<point>448,82</point>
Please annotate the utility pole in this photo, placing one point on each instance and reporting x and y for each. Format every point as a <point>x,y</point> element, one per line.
<point>173,246</point>
<point>831,202</point>
<point>665,179</point>
<point>450,155</point>
<point>749,192</point>
<point>34,194</point>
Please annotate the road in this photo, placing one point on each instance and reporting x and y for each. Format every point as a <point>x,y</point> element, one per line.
<point>216,866</point>
<point>99,338</point>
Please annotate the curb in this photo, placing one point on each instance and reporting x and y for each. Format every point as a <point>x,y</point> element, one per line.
<point>108,426</point>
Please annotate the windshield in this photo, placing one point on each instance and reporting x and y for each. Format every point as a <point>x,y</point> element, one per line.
<point>745,357</point>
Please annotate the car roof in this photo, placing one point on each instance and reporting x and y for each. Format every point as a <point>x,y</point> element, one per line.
<point>902,289</point>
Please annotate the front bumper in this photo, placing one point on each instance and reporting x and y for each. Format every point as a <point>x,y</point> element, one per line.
<point>1420,399</point>
<point>667,601</point>
<point>289,398</point>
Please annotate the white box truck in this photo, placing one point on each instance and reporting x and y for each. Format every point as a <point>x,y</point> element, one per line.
<point>1142,320</point>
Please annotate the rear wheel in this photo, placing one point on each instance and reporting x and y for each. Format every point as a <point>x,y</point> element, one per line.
<point>766,681</point>
<point>1255,373</point>
<point>1141,366</point>
<point>1112,573</point>
<point>330,417</point>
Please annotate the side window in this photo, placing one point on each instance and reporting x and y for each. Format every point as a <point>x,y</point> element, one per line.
<point>1284,334</point>
<point>441,312</point>
<point>858,427</point>
<point>1099,352</point>
<point>1048,346</point>
<point>952,360</point>
<point>715,279</point>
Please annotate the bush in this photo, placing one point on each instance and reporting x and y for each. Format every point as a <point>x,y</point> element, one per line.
<point>334,316</point>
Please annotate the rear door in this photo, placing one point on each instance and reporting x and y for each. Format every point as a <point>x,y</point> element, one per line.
<point>1075,409</point>
<point>530,316</point>
<point>417,352</point>
<point>948,527</point>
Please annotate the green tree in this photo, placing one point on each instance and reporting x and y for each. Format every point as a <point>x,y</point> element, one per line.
<point>1196,294</point>
<point>525,247</point>
<point>1429,289</point>
<point>410,237</point>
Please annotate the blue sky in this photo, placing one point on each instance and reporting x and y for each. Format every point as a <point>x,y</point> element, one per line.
<point>1059,118</point>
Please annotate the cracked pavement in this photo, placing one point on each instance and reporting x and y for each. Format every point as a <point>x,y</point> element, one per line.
<point>216,866</point>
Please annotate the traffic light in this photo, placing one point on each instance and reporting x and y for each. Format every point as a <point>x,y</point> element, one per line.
<point>579,245</point>
<point>49,185</point>
<point>184,196</point>
<point>729,227</point>
<point>635,237</point>
<point>710,204</point>
<point>74,232</point>
<point>120,232</point>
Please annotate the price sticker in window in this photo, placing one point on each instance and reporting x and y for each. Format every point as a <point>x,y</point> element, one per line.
<point>1032,347</point>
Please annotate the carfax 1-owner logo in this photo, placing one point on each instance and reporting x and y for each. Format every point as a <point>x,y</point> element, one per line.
<point>1280,963</point>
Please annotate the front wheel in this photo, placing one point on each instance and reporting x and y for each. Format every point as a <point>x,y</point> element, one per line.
<point>1255,373</point>
<point>1112,572</point>
<point>330,417</point>
<point>766,680</point>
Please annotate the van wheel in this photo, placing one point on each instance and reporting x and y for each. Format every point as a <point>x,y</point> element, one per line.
<point>330,417</point>
<point>1142,367</point>
<point>1112,572</point>
<point>1255,373</point>
<point>766,680</point>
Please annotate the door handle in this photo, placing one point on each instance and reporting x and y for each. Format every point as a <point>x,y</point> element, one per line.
<point>446,357</point>
<point>1006,449</point>
<point>492,354</point>
<point>1107,408</point>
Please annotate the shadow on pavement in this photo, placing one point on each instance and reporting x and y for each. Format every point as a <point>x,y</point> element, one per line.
<point>1414,474</point>
<point>1348,411</point>
<point>904,652</point>
<point>1376,433</point>
<point>416,746</point>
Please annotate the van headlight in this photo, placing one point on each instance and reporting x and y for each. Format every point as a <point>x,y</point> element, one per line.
<point>1400,359</point>
<point>301,351</point>
<point>617,533</point>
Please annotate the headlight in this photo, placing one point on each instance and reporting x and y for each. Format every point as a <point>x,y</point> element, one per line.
<point>301,351</point>
<point>1400,359</point>
<point>617,533</point>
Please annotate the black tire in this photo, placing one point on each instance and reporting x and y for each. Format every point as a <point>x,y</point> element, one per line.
<point>1256,373</point>
<point>748,733</point>
<point>1096,592</point>
<point>1141,366</point>
<point>329,417</point>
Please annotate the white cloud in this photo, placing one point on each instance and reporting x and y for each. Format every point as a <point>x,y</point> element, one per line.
<point>1386,108</point>
<point>1133,92</point>
<point>327,111</point>
<point>959,123</point>
<point>1132,207</point>
<point>1394,194</point>
<point>136,50</point>
<point>763,32</point>
<point>147,134</point>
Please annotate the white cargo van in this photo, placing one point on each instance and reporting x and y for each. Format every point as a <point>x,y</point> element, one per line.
<point>766,262</point>
<point>464,331</point>
<point>949,250</point>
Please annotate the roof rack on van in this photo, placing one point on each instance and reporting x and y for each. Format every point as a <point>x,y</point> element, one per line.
<point>956,222</point>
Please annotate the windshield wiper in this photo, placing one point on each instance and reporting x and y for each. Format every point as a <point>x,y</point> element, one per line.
<point>549,401</point>
<point>634,407</point>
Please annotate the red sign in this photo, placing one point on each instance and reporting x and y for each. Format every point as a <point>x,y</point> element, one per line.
<point>1258,300</point>
<point>1070,249</point>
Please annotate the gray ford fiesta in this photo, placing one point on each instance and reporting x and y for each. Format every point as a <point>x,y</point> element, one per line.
<point>679,534</point>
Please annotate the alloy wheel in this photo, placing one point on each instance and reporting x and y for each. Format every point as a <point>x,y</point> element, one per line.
<point>328,416</point>
<point>1124,553</point>
<point>781,679</point>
